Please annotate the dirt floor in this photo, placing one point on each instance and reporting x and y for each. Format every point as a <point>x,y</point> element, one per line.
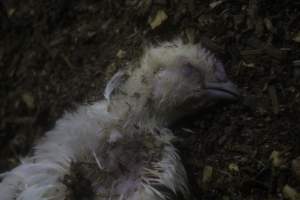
<point>57,54</point>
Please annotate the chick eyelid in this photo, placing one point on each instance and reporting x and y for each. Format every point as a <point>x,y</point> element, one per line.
<point>188,70</point>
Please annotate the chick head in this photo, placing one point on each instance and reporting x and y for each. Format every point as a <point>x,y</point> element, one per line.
<point>174,80</point>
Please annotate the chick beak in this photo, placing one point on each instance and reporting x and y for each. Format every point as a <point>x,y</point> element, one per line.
<point>222,90</point>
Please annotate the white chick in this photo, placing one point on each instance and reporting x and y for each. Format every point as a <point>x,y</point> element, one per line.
<point>124,138</point>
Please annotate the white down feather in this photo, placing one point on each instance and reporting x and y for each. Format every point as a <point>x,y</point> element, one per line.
<point>122,130</point>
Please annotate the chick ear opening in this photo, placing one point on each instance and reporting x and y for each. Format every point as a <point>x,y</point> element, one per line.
<point>114,83</point>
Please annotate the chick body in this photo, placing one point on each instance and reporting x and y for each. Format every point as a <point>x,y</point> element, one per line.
<point>124,137</point>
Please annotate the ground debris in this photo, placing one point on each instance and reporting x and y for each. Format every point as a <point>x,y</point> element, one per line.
<point>59,53</point>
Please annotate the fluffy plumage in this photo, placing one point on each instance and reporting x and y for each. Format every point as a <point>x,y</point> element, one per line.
<point>123,138</point>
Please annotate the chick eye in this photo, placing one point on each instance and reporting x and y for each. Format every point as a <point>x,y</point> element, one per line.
<point>188,70</point>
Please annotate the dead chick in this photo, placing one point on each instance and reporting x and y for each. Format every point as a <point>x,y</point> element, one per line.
<point>124,139</point>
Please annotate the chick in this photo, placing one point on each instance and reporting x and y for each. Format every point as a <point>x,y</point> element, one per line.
<point>124,139</point>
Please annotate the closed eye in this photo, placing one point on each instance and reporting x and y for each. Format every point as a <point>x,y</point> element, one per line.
<point>193,74</point>
<point>188,70</point>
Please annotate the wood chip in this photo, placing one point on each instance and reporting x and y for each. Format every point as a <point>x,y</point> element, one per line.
<point>296,167</point>
<point>290,193</point>
<point>121,54</point>
<point>275,158</point>
<point>215,4</point>
<point>159,18</point>
<point>274,98</point>
<point>28,100</point>
<point>207,174</point>
<point>296,38</point>
<point>233,167</point>
<point>266,48</point>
